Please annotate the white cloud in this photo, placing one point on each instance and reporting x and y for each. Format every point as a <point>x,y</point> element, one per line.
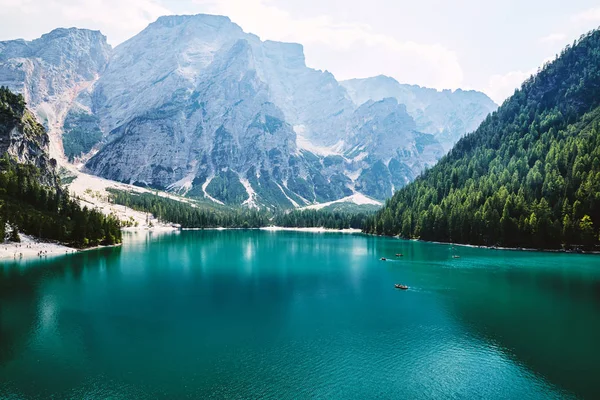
<point>117,19</point>
<point>590,15</point>
<point>353,44</point>
<point>501,86</point>
<point>553,38</point>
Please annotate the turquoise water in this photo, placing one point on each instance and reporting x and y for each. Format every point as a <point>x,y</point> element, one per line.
<point>253,314</point>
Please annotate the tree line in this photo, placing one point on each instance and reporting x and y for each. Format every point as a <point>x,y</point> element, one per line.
<point>529,176</point>
<point>47,212</point>
<point>191,215</point>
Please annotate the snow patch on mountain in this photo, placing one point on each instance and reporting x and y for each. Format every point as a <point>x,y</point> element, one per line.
<point>250,202</point>
<point>182,186</point>
<point>304,143</point>
<point>205,185</point>
<point>356,198</point>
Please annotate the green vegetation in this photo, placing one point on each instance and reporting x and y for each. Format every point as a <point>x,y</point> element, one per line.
<point>227,188</point>
<point>31,200</point>
<point>14,114</point>
<point>528,176</point>
<point>81,133</point>
<point>49,213</point>
<point>351,208</point>
<point>193,215</point>
<point>11,106</point>
<point>189,215</point>
<point>319,218</point>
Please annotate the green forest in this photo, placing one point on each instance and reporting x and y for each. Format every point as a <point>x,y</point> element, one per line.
<point>529,176</point>
<point>49,213</point>
<point>31,200</point>
<point>192,215</point>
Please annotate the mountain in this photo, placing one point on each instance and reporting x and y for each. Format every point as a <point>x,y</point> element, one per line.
<point>51,72</point>
<point>447,115</point>
<point>387,148</point>
<point>22,138</point>
<point>31,200</point>
<point>242,121</point>
<point>195,105</point>
<point>528,176</point>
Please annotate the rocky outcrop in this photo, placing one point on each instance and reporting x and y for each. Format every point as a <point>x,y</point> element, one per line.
<point>447,115</point>
<point>22,138</point>
<point>51,72</point>
<point>194,104</point>
<point>386,148</point>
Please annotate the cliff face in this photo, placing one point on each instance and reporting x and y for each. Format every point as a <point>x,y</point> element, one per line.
<point>447,115</point>
<point>194,104</point>
<point>22,138</point>
<point>51,72</point>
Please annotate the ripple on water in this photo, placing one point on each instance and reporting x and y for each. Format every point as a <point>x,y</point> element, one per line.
<point>204,315</point>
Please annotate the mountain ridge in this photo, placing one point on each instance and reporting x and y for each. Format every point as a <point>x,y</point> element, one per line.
<point>529,176</point>
<point>199,98</point>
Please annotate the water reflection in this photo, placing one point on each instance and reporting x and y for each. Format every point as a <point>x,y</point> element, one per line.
<point>25,307</point>
<point>548,322</point>
<point>257,314</point>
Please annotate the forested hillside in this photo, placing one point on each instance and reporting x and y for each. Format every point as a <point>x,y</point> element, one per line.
<point>31,200</point>
<point>528,176</point>
<point>192,215</point>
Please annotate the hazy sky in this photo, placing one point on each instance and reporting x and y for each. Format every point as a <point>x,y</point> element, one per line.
<point>475,44</point>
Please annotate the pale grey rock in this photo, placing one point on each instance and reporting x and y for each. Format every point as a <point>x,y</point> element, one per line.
<point>52,71</point>
<point>195,105</point>
<point>25,141</point>
<point>447,115</point>
<point>387,149</point>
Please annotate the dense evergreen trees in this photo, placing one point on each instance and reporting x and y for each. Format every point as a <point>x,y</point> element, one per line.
<point>320,218</point>
<point>11,105</point>
<point>193,215</point>
<point>190,215</point>
<point>31,200</point>
<point>528,176</point>
<point>49,213</point>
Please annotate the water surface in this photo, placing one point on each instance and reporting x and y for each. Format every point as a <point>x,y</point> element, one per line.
<point>249,314</point>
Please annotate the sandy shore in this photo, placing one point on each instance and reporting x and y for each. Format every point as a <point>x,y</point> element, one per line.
<point>32,248</point>
<point>278,228</point>
<point>159,228</point>
<point>313,230</point>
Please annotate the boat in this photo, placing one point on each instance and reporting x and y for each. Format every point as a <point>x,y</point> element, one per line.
<point>401,287</point>
<point>399,255</point>
<point>455,256</point>
<point>383,259</point>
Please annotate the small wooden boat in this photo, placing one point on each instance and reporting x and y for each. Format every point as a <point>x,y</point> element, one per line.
<point>455,256</point>
<point>383,259</point>
<point>399,255</point>
<point>401,287</point>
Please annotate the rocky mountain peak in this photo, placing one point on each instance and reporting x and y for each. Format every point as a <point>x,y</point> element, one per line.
<point>171,21</point>
<point>195,105</point>
<point>446,114</point>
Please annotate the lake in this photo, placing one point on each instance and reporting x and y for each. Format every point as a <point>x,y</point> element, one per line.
<point>288,315</point>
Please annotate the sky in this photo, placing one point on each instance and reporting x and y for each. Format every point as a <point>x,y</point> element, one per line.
<point>487,45</point>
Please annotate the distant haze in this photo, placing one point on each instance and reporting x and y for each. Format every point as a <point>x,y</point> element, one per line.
<point>489,46</point>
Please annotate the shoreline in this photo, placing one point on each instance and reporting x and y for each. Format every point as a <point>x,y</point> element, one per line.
<point>312,230</point>
<point>156,228</point>
<point>30,248</point>
<point>476,246</point>
<point>279,229</point>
